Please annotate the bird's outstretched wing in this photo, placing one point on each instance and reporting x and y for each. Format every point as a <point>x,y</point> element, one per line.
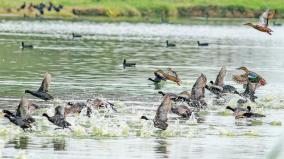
<point>45,84</point>
<point>221,77</point>
<point>198,88</point>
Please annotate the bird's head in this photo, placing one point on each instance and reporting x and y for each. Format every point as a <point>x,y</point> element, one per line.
<point>243,68</point>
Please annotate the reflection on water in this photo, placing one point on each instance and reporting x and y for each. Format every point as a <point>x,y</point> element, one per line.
<point>92,67</point>
<point>58,144</point>
<point>162,147</point>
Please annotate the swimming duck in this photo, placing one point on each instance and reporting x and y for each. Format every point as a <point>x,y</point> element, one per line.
<point>58,119</point>
<point>125,64</point>
<point>24,110</point>
<point>18,121</point>
<point>162,76</point>
<point>181,97</point>
<point>277,24</point>
<point>161,117</point>
<point>42,92</point>
<point>76,35</point>
<point>218,87</point>
<point>74,107</point>
<point>202,44</point>
<point>26,46</point>
<point>168,44</point>
<point>263,22</point>
<point>238,111</point>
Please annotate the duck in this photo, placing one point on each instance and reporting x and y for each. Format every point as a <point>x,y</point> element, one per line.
<point>99,104</point>
<point>277,24</point>
<point>74,107</point>
<point>125,64</point>
<point>23,6</point>
<point>168,44</point>
<point>49,8</point>
<point>202,44</point>
<point>250,80</point>
<point>42,92</point>
<point>244,113</point>
<point>218,87</point>
<point>182,111</point>
<point>24,110</point>
<point>18,121</point>
<point>195,98</point>
<point>57,9</point>
<point>76,35</point>
<point>263,22</point>
<point>162,76</point>
<point>197,94</point>
<point>26,46</point>
<point>59,118</point>
<point>161,117</point>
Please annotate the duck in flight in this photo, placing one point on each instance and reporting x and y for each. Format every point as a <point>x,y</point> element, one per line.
<point>74,107</point>
<point>195,98</point>
<point>250,80</point>
<point>125,64</point>
<point>263,22</point>
<point>218,87</point>
<point>24,110</point>
<point>163,76</point>
<point>59,118</point>
<point>42,92</point>
<point>161,117</point>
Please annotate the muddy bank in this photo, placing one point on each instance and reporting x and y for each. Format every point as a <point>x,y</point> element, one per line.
<point>194,11</point>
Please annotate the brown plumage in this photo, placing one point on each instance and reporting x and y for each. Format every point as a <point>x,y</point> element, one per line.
<point>263,22</point>
<point>248,76</point>
<point>161,117</point>
<point>169,75</point>
<point>198,89</point>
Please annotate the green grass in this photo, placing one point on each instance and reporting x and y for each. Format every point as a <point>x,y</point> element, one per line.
<point>168,8</point>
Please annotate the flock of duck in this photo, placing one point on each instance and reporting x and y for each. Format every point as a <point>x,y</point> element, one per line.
<point>184,104</point>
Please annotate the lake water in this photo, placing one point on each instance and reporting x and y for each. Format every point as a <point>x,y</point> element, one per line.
<point>91,67</point>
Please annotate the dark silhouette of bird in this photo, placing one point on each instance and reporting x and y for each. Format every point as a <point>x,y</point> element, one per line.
<point>202,44</point>
<point>42,92</point>
<point>128,64</point>
<point>58,119</point>
<point>18,121</point>
<point>26,46</point>
<point>76,35</point>
<point>168,44</point>
<point>23,6</point>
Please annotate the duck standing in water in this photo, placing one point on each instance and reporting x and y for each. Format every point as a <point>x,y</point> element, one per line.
<point>42,92</point>
<point>250,80</point>
<point>263,22</point>
<point>218,87</point>
<point>59,118</point>
<point>125,64</point>
<point>162,76</point>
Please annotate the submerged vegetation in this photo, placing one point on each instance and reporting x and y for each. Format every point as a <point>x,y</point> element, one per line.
<point>150,8</point>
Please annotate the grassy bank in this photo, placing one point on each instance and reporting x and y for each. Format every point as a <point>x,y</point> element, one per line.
<point>150,8</point>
